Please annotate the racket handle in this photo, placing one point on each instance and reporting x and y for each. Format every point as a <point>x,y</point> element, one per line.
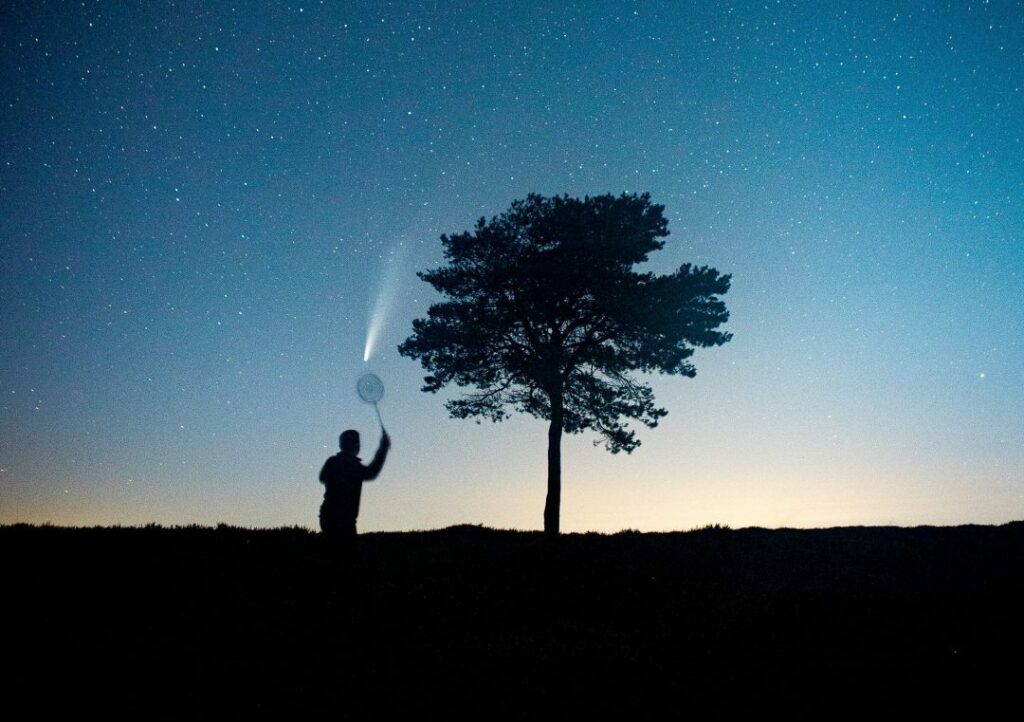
<point>379,419</point>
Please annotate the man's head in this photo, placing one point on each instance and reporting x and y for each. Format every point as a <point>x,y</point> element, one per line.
<point>349,441</point>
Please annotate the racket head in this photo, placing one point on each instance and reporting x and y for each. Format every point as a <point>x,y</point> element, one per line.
<point>370,388</point>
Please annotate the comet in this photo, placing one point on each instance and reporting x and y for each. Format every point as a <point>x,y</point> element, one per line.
<point>384,301</point>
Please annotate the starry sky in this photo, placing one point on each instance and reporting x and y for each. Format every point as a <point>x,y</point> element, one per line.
<point>204,204</point>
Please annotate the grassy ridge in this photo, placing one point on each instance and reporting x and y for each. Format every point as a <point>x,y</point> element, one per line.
<point>469,621</point>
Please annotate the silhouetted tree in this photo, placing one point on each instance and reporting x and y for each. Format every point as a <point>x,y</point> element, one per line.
<point>544,314</point>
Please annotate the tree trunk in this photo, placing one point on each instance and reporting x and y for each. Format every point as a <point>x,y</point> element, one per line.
<point>553,504</point>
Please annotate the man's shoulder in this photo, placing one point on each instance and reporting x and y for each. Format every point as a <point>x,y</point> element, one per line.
<point>343,462</point>
<point>334,463</point>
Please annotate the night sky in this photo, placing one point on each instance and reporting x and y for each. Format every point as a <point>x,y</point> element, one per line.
<point>204,205</point>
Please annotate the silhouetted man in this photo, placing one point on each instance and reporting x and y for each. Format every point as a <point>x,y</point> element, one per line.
<point>343,476</point>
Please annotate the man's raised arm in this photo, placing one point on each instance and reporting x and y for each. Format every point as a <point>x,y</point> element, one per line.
<point>374,467</point>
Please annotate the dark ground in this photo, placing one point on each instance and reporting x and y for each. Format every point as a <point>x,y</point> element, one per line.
<point>471,622</point>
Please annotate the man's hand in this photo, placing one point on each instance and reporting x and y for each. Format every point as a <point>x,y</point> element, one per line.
<point>385,441</point>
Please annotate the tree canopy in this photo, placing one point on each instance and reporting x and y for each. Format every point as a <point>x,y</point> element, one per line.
<point>544,314</point>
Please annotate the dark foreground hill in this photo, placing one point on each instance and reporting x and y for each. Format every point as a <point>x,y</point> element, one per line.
<point>471,622</point>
